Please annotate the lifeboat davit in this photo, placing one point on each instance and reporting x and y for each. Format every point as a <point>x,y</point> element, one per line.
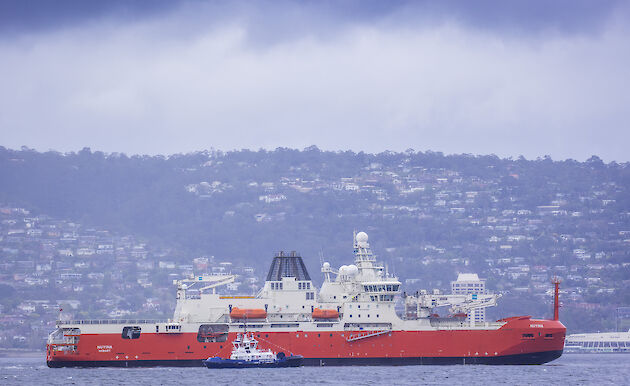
<point>248,313</point>
<point>325,314</point>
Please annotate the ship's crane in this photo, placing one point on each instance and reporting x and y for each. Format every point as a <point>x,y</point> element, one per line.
<point>205,282</point>
<point>421,304</point>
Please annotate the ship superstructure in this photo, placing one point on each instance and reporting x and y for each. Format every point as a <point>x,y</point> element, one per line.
<point>350,320</point>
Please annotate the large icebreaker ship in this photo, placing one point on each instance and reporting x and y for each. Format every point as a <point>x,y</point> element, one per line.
<point>350,320</point>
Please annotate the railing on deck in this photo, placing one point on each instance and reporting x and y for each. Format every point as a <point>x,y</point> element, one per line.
<point>113,321</point>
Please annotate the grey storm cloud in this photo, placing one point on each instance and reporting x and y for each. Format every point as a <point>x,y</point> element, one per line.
<point>508,78</point>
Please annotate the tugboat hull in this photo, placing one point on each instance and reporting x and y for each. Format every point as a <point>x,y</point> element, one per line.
<point>220,363</point>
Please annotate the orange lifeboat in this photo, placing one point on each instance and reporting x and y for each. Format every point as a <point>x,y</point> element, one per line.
<point>248,313</point>
<point>325,314</point>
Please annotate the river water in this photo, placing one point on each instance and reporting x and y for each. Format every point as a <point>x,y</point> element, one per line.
<point>573,369</point>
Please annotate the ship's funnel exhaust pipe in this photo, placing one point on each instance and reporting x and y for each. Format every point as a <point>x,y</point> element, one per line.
<point>556,303</point>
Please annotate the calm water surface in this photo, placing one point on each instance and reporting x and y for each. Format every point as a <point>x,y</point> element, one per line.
<point>576,369</point>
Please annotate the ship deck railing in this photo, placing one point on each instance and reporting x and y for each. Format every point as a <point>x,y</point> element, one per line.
<point>112,321</point>
<point>454,325</point>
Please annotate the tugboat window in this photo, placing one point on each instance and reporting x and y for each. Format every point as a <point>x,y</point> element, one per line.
<point>131,332</point>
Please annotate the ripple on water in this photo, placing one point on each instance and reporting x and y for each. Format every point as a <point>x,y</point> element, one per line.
<point>569,369</point>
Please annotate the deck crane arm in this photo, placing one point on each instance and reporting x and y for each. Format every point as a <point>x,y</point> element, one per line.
<point>458,303</point>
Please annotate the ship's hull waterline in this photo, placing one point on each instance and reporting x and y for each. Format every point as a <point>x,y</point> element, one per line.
<point>537,358</point>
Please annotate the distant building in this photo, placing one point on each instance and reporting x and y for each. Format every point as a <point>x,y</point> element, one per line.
<point>469,283</point>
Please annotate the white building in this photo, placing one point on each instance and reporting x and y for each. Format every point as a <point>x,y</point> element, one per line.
<point>469,283</point>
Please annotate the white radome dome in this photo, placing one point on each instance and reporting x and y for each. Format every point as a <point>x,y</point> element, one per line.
<point>352,270</point>
<point>362,238</point>
<point>343,270</point>
<point>326,265</point>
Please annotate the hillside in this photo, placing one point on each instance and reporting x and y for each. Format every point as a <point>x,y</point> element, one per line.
<point>515,222</point>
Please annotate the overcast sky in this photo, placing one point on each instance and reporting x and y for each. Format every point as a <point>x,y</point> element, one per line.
<point>512,78</point>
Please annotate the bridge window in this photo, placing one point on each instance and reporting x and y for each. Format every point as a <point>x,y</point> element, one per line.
<point>131,332</point>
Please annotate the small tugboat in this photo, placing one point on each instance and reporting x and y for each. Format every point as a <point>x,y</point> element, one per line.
<point>245,353</point>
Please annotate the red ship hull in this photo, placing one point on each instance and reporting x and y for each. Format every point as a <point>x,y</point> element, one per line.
<point>520,341</point>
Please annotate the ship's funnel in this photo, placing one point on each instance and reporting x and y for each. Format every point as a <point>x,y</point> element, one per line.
<point>287,265</point>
